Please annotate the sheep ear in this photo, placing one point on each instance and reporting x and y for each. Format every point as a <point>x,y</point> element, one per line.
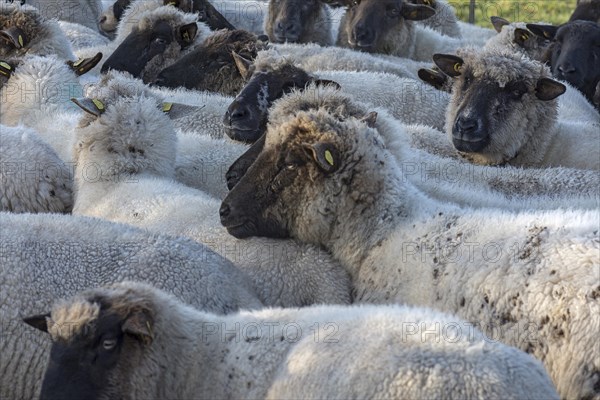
<point>139,325</point>
<point>188,33</point>
<point>370,119</point>
<point>499,23</point>
<point>545,31</point>
<point>15,36</point>
<point>84,65</point>
<point>6,69</point>
<point>324,154</point>
<point>435,78</point>
<point>549,89</point>
<point>243,65</point>
<point>449,64</point>
<point>38,321</point>
<point>325,82</point>
<point>415,12</point>
<point>90,106</point>
<point>521,36</point>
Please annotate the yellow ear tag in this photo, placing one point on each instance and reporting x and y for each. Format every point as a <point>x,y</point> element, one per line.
<point>457,67</point>
<point>5,65</point>
<point>186,36</point>
<point>76,63</point>
<point>524,37</point>
<point>172,3</point>
<point>98,104</point>
<point>21,40</point>
<point>166,107</point>
<point>329,157</point>
<point>546,35</point>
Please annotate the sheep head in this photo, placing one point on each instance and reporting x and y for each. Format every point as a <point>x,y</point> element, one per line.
<point>291,20</point>
<point>309,166</point>
<point>98,338</point>
<point>500,102</point>
<point>368,22</point>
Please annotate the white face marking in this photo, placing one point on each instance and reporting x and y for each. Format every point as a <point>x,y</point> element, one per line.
<point>263,98</point>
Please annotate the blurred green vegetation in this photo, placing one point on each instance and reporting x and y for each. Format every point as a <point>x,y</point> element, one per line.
<point>551,11</point>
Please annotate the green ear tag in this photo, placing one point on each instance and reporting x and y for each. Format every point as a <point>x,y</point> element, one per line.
<point>166,107</point>
<point>329,157</point>
<point>76,63</point>
<point>172,3</point>
<point>5,65</point>
<point>21,40</point>
<point>98,104</point>
<point>457,67</point>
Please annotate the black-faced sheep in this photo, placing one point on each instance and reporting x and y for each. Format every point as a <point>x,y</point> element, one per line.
<point>299,21</point>
<point>573,53</point>
<point>147,344</point>
<point>332,182</point>
<point>504,109</point>
<point>587,11</point>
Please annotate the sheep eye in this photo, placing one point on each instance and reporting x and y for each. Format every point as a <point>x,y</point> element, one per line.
<point>109,344</point>
<point>160,41</point>
<point>291,167</point>
<point>393,12</point>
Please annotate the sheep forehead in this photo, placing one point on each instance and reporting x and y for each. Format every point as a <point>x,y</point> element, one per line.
<point>70,318</point>
<point>173,16</point>
<point>505,67</point>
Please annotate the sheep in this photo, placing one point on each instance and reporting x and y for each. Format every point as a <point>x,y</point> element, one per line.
<point>81,36</point>
<point>313,57</point>
<point>50,256</point>
<point>128,145</point>
<point>37,95</point>
<point>587,11</point>
<point>299,21</point>
<point>160,38</point>
<point>290,361</point>
<point>83,12</point>
<point>32,177</point>
<point>207,13</point>
<point>516,37</point>
<point>388,27</point>
<point>503,110</point>
<point>474,35</point>
<point>272,76</point>
<point>433,166</point>
<point>211,66</point>
<point>444,20</point>
<point>531,276</point>
<point>573,53</point>
<point>24,30</point>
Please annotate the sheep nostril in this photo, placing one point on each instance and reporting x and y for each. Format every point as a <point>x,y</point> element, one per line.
<point>224,211</point>
<point>103,19</point>
<point>467,125</point>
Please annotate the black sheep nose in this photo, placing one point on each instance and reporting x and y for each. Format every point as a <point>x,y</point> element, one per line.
<point>238,112</point>
<point>224,211</point>
<point>103,19</point>
<point>467,126</point>
<point>567,69</point>
<point>285,27</point>
<point>362,33</point>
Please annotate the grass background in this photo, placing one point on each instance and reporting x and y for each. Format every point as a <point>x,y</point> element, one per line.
<point>552,11</point>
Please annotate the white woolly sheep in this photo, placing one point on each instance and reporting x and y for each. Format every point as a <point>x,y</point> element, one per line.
<point>503,109</point>
<point>378,27</point>
<point>532,276</point>
<point>516,37</point>
<point>271,76</point>
<point>83,12</point>
<point>46,257</point>
<point>320,352</point>
<point>26,31</point>
<point>81,36</point>
<point>129,146</point>
<point>32,177</point>
<point>444,20</point>
<point>432,164</point>
<point>474,35</point>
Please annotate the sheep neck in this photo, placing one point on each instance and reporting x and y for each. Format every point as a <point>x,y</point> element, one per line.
<point>365,227</point>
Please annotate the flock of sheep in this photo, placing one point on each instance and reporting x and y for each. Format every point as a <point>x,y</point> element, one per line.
<point>193,194</point>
